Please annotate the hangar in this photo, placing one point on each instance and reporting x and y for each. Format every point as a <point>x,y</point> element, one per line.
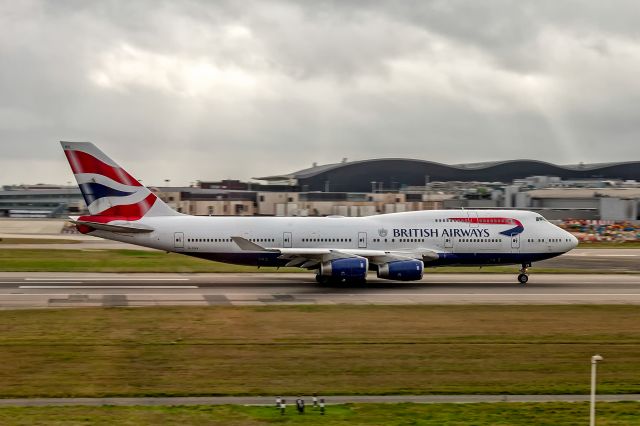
<point>397,173</point>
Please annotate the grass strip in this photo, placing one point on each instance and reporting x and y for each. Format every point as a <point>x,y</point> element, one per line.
<point>324,349</point>
<point>610,244</point>
<point>549,413</point>
<point>12,240</point>
<point>141,261</point>
<point>42,260</point>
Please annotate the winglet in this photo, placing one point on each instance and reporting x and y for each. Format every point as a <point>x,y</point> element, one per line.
<point>245,244</point>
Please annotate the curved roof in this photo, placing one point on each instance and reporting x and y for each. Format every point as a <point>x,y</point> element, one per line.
<point>396,172</point>
<point>313,171</point>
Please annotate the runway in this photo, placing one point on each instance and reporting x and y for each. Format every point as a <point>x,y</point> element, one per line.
<point>56,290</point>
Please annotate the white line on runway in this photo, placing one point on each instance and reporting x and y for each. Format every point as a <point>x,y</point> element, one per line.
<point>108,287</point>
<point>601,255</point>
<point>46,282</point>
<point>614,255</point>
<point>323,296</point>
<point>110,279</point>
<point>330,295</point>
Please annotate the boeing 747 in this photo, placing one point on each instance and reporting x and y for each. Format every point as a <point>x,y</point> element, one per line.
<point>396,246</point>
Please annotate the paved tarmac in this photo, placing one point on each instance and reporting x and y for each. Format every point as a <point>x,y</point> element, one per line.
<point>49,290</point>
<point>336,399</point>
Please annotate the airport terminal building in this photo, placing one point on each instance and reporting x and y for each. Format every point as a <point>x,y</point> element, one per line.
<point>361,188</point>
<point>393,174</point>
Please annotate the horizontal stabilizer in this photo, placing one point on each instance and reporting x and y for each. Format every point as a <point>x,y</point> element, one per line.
<point>124,228</point>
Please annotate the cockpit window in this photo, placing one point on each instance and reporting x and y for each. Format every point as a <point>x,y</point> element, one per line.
<point>540,219</point>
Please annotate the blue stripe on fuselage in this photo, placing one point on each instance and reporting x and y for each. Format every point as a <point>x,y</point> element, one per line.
<point>482,259</point>
<point>444,259</point>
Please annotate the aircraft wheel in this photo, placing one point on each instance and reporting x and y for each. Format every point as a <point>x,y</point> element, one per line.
<point>523,278</point>
<point>320,279</point>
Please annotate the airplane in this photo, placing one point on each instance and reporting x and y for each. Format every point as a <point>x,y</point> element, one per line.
<point>339,249</point>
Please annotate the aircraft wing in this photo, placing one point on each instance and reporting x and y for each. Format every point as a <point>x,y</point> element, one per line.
<point>309,258</point>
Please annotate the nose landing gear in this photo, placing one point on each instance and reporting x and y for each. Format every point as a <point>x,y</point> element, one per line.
<point>523,277</point>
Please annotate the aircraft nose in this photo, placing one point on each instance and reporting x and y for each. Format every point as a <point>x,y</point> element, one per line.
<point>574,240</point>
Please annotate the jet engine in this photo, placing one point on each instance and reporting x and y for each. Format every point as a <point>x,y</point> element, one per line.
<point>347,269</point>
<point>401,270</point>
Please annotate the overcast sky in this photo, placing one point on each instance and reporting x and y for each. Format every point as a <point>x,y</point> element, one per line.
<point>188,90</point>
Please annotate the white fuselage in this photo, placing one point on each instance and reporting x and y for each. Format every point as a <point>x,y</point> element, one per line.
<point>478,240</point>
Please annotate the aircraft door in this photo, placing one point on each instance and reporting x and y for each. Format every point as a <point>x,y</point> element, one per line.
<point>362,240</point>
<point>178,239</point>
<point>473,219</point>
<point>448,242</point>
<point>287,240</point>
<point>515,242</point>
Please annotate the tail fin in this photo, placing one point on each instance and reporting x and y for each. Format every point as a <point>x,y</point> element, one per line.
<point>109,191</point>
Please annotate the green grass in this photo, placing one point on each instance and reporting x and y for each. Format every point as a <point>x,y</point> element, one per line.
<point>612,244</point>
<point>324,349</point>
<point>37,241</point>
<point>43,260</point>
<point>550,413</point>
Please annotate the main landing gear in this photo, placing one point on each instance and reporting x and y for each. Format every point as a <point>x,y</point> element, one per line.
<point>523,277</point>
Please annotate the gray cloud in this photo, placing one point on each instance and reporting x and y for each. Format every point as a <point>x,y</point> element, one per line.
<point>205,90</point>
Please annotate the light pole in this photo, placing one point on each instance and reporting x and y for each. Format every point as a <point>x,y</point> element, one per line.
<point>594,363</point>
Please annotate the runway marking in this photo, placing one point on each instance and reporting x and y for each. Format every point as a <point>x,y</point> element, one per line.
<point>306,296</point>
<point>333,295</point>
<point>110,279</point>
<point>46,282</point>
<point>109,287</point>
<point>614,255</point>
<point>602,255</point>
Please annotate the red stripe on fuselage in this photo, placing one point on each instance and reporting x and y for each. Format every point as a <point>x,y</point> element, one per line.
<point>81,162</point>
<point>488,220</point>
<point>128,212</point>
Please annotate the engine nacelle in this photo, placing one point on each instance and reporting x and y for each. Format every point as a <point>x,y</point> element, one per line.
<point>402,270</point>
<point>352,268</point>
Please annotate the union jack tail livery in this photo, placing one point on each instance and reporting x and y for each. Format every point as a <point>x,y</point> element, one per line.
<point>110,192</point>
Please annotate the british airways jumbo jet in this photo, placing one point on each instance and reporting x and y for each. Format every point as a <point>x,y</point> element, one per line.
<point>339,249</point>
